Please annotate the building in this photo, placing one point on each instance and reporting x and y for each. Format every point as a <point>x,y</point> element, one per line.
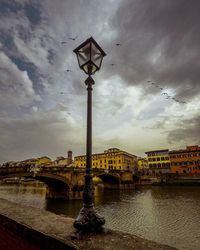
<point>142,163</point>
<point>112,158</point>
<point>185,161</point>
<point>158,161</point>
<point>61,161</point>
<point>44,160</point>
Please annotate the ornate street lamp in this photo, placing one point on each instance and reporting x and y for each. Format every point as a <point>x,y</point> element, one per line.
<point>90,56</point>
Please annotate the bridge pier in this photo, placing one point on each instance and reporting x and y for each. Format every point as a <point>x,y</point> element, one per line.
<point>66,194</point>
<point>57,193</point>
<point>76,194</point>
<point>127,186</point>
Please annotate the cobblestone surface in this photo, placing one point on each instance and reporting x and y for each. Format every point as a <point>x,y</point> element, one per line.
<point>61,228</point>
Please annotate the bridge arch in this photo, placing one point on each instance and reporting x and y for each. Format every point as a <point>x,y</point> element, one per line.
<point>57,186</point>
<point>109,180</point>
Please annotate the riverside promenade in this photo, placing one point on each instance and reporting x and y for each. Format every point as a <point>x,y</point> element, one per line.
<point>25,227</point>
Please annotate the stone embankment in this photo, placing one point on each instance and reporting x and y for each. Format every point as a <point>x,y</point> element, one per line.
<point>23,227</point>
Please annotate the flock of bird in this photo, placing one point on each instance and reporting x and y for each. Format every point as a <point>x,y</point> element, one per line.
<point>167,96</point>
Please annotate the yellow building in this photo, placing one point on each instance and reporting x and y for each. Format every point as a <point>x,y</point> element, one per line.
<point>142,163</point>
<point>43,160</point>
<point>158,161</point>
<point>112,158</point>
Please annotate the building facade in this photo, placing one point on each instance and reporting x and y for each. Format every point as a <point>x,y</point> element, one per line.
<point>63,161</point>
<point>158,161</point>
<point>185,161</point>
<point>142,164</point>
<point>112,158</point>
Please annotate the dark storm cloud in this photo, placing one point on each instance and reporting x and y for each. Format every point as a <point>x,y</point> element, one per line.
<point>160,41</point>
<point>31,9</point>
<point>20,18</point>
<point>33,12</point>
<point>6,7</point>
<point>26,66</point>
<point>188,129</point>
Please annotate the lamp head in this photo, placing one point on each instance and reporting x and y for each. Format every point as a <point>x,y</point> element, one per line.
<point>90,56</point>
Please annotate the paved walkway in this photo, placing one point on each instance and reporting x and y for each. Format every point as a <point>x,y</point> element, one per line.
<point>60,229</point>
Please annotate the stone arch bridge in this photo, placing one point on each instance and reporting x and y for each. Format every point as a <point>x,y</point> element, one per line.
<point>67,182</point>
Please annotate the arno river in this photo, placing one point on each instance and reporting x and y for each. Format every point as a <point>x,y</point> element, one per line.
<point>169,215</point>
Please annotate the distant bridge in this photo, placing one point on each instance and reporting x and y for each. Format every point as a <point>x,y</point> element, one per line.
<point>66,181</point>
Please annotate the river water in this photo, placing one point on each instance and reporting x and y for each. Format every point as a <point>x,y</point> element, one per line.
<point>169,215</point>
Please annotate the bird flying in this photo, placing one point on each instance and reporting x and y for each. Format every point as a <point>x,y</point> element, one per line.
<point>112,64</point>
<point>118,44</point>
<point>72,38</point>
<point>68,70</point>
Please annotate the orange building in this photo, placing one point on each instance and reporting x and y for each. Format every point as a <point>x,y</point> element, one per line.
<point>185,161</point>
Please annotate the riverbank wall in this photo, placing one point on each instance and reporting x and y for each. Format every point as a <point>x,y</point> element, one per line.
<point>170,180</point>
<point>180,181</point>
<point>28,228</point>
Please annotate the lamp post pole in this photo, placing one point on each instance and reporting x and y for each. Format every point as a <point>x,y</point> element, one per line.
<point>88,188</point>
<point>88,219</point>
<point>90,56</point>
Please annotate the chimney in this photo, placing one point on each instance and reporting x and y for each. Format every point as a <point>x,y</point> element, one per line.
<point>69,157</point>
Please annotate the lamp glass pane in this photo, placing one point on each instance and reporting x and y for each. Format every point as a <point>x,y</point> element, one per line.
<point>84,54</point>
<point>96,56</point>
<point>94,68</point>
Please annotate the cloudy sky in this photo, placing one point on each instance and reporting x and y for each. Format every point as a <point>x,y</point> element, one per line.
<point>149,99</point>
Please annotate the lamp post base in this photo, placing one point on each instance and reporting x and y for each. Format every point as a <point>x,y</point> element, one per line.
<point>89,220</point>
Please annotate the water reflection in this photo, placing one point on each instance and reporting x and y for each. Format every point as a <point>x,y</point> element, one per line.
<point>170,215</point>
<point>31,195</point>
